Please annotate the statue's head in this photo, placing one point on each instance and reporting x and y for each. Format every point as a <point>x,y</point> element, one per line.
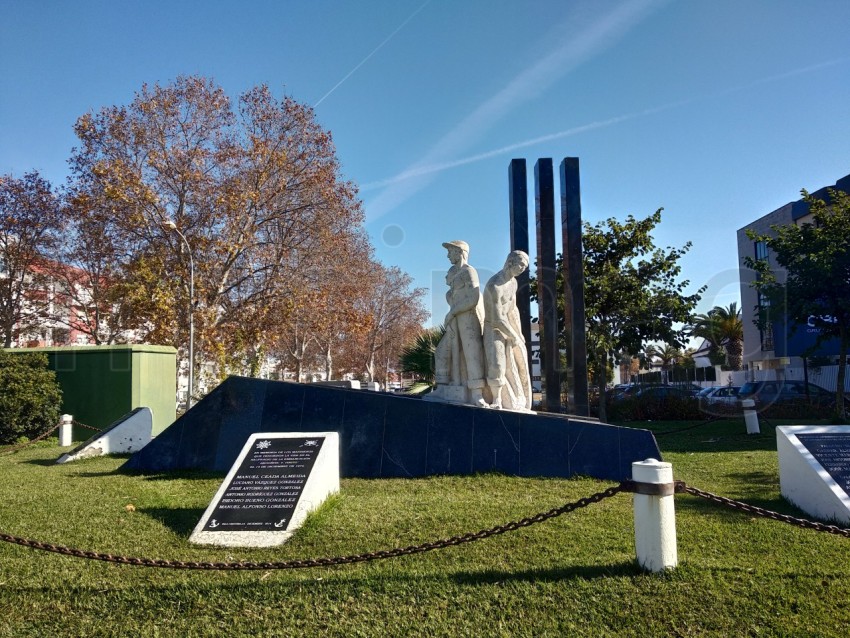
<point>457,247</point>
<point>516,263</point>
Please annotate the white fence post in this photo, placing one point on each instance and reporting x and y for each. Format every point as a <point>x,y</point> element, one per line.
<point>66,430</point>
<point>655,518</point>
<point>751,417</point>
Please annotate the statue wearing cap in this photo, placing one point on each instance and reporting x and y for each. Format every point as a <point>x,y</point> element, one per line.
<point>459,357</point>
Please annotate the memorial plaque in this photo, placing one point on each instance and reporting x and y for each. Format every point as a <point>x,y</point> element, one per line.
<point>276,481</point>
<point>263,492</point>
<point>832,451</point>
<point>814,469</point>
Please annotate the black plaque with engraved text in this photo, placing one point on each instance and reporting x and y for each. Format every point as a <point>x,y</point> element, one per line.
<point>832,451</point>
<point>263,493</point>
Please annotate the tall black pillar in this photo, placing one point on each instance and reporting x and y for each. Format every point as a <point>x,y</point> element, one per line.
<point>518,194</point>
<point>573,261</point>
<point>544,200</point>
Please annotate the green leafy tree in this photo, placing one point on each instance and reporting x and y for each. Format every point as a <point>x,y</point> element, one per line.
<point>30,398</point>
<point>632,293</point>
<point>723,329</point>
<point>815,260</point>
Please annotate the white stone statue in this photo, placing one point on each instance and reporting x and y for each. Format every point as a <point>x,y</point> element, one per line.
<point>504,346</point>
<point>459,357</point>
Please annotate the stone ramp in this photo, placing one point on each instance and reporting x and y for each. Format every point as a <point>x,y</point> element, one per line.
<point>385,435</point>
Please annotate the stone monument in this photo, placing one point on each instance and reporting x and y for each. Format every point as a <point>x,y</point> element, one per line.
<point>130,433</point>
<point>483,335</point>
<point>814,469</point>
<point>278,478</point>
<point>459,357</point>
<point>504,346</point>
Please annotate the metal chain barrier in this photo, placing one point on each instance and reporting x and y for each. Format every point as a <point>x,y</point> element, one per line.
<point>677,487</point>
<point>689,427</point>
<point>41,437</point>
<point>21,446</point>
<point>319,562</point>
<point>83,425</point>
<point>760,511</point>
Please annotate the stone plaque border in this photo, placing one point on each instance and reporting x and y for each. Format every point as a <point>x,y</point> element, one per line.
<point>804,482</point>
<point>130,433</point>
<point>321,482</point>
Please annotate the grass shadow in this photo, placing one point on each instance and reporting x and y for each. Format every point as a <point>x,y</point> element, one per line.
<point>41,462</point>
<point>554,574</point>
<point>181,520</point>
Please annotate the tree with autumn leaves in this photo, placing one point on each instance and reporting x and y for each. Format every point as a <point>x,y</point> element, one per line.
<point>31,224</point>
<point>276,232</point>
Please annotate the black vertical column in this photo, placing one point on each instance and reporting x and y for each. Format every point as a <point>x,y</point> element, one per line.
<point>574,320</point>
<point>544,204</point>
<point>518,194</point>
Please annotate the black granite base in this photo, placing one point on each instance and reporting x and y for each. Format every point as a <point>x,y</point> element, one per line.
<point>388,435</point>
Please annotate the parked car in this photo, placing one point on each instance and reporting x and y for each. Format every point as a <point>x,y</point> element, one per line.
<point>664,392</point>
<point>720,395</point>
<point>766,393</point>
<point>624,391</point>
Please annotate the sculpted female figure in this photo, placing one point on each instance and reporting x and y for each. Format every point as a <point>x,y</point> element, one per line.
<point>504,346</point>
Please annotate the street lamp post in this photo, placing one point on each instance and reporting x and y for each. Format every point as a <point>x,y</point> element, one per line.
<point>169,224</point>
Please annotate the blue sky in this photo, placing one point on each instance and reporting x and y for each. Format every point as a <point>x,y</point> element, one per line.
<point>719,111</point>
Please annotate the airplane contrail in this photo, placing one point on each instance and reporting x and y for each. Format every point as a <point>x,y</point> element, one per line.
<point>427,169</point>
<point>374,51</point>
<point>588,38</point>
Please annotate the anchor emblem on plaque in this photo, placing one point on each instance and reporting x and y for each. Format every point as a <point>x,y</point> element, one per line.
<point>281,523</point>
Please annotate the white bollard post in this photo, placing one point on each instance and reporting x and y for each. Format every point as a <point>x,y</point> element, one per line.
<point>751,417</point>
<point>655,518</point>
<point>66,430</point>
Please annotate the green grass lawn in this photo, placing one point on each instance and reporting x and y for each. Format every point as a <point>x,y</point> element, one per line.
<point>572,576</point>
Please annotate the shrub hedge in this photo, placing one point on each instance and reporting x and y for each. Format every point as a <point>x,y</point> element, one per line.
<point>690,409</point>
<point>30,398</point>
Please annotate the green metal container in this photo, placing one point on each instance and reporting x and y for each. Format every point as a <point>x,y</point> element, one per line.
<point>100,384</point>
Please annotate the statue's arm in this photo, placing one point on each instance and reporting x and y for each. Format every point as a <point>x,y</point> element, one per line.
<point>465,294</point>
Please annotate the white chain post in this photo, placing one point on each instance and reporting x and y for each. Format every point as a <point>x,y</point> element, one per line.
<point>655,518</point>
<point>751,417</point>
<point>66,430</point>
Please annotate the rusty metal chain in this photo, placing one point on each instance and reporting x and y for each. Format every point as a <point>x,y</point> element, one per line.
<point>83,425</point>
<point>21,446</point>
<point>319,562</point>
<point>40,437</point>
<point>760,511</point>
<point>676,487</point>
<point>689,427</point>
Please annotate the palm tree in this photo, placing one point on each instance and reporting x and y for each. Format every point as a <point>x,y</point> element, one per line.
<point>418,358</point>
<point>723,329</point>
<point>669,356</point>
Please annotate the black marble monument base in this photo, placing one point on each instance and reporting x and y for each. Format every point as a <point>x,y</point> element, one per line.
<point>385,435</point>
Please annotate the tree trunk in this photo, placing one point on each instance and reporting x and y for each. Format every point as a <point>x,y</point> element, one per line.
<point>735,354</point>
<point>329,369</point>
<point>370,367</point>
<point>844,338</point>
<point>601,379</point>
